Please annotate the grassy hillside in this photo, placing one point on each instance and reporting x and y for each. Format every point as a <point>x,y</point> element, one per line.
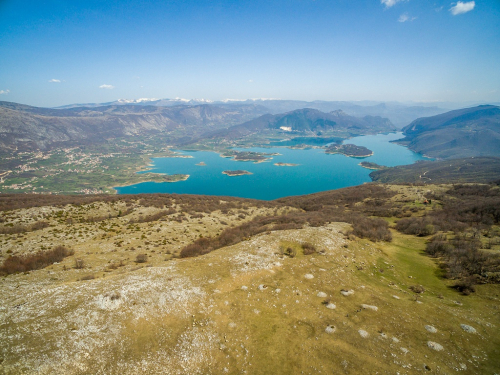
<point>294,290</point>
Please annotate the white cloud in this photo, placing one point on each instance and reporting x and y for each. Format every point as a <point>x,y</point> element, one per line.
<point>109,87</point>
<point>53,80</point>
<point>461,7</point>
<point>405,17</point>
<point>389,3</point>
<point>4,92</point>
<point>250,80</point>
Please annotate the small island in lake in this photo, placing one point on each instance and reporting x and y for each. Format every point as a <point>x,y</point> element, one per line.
<point>236,173</point>
<point>370,165</point>
<point>177,155</point>
<point>256,157</point>
<point>285,164</point>
<point>349,150</point>
<point>201,164</point>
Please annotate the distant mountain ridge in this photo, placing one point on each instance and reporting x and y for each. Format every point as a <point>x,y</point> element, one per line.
<point>399,114</point>
<point>34,128</point>
<point>461,133</point>
<point>307,120</point>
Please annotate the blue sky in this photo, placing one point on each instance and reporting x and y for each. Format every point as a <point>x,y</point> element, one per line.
<point>60,52</point>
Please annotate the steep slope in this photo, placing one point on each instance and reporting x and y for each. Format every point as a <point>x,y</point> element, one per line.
<point>461,133</point>
<point>33,128</point>
<point>307,120</point>
<point>470,170</point>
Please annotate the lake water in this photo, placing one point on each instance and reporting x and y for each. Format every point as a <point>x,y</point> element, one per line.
<point>316,171</point>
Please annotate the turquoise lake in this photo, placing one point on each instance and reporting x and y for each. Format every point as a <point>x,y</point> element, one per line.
<point>316,171</point>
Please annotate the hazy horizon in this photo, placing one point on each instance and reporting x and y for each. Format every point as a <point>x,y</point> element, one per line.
<point>199,101</point>
<point>57,53</point>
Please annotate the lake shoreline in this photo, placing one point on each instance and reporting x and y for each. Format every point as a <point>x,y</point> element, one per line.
<point>318,171</point>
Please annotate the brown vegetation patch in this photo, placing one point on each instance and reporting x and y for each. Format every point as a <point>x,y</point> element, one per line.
<point>20,228</point>
<point>41,259</point>
<point>318,210</point>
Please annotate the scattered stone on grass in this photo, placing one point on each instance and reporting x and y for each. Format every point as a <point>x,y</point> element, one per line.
<point>308,276</point>
<point>363,333</point>
<point>331,306</point>
<point>321,294</point>
<point>468,328</point>
<point>435,346</point>
<point>330,329</point>
<point>369,307</point>
<point>431,329</point>
<point>347,292</point>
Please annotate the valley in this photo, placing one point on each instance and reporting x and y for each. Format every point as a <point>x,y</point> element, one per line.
<point>87,169</point>
<point>249,187</point>
<point>97,149</point>
<point>392,277</point>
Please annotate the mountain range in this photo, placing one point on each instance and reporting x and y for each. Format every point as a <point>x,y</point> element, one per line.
<point>460,133</point>
<point>398,113</point>
<point>31,128</point>
<point>467,132</point>
<point>307,120</point>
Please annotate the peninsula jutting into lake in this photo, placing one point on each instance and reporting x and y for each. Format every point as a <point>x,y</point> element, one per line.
<point>370,165</point>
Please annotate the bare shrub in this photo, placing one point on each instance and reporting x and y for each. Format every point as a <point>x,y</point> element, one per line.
<point>39,225</point>
<point>115,265</point>
<point>192,250</point>
<point>438,246</point>
<point>417,289</point>
<point>79,263</point>
<point>290,252</point>
<point>39,260</point>
<point>88,277</point>
<point>308,248</point>
<point>466,286</point>
<point>418,226</point>
<point>374,229</point>
<point>13,229</point>
<point>152,217</point>
<point>141,258</point>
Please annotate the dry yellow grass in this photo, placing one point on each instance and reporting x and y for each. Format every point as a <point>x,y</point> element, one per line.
<point>240,309</point>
